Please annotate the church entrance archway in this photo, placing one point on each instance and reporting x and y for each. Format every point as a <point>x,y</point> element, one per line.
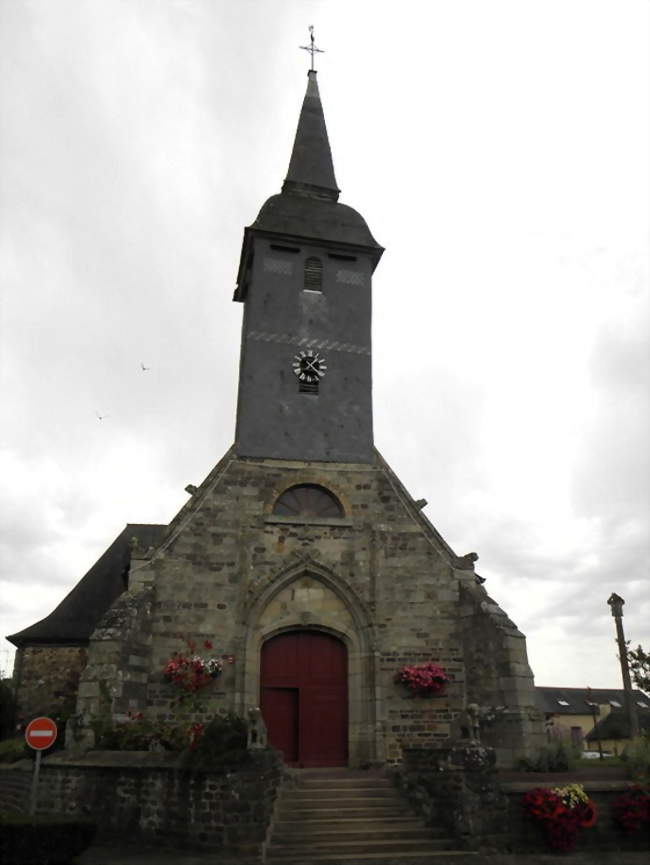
<point>304,697</point>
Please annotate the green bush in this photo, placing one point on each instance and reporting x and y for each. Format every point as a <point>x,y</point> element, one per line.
<point>141,734</point>
<point>636,759</point>
<point>555,757</point>
<point>12,750</point>
<point>43,840</point>
<point>223,743</point>
<point>7,708</point>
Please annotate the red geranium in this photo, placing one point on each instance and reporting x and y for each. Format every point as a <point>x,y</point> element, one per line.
<point>422,679</point>
<point>189,672</point>
<point>543,804</point>
<point>632,809</point>
<point>196,734</point>
<point>561,813</point>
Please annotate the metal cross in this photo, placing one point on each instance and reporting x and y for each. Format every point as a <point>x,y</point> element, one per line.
<point>312,47</point>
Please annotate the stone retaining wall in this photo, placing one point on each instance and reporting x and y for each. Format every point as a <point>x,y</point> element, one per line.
<point>458,788</point>
<point>127,793</point>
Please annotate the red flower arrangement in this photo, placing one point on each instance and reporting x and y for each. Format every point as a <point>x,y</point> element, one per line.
<point>423,680</point>
<point>561,811</point>
<point>196,734</point>
<point>631,810</point>
<point>189,672</point>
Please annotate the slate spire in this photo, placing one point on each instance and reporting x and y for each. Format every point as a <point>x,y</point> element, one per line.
<point>311,171</point>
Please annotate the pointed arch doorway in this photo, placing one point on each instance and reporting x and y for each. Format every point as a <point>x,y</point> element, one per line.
<point>304,697</point>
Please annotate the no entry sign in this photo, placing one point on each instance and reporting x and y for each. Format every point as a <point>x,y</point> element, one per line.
<point>40,733</point>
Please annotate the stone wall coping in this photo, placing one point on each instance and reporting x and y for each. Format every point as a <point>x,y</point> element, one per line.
<point>140,760</point>
<point>308,521</point>
<point>595,786</point>
<point>24,765</point>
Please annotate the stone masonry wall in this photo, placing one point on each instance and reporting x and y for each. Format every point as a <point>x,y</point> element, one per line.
<point>228,810</point>
<point>47,679</point>
<point>499,678</point>
<point>230,571</point>
<point>457,787</point>
<point>115,678</point>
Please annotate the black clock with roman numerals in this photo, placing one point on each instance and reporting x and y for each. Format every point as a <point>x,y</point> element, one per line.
<point>309,366</point>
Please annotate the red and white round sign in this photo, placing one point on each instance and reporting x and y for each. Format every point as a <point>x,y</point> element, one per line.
<point>40,733</point>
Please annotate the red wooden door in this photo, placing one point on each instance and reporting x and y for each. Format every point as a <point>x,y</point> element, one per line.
<point>304,697</point>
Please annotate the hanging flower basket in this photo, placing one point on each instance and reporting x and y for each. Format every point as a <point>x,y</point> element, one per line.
<point>189,672</point>
<point>422,680</point>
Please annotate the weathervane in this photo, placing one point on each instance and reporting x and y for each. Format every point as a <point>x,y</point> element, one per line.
<point>312,47</point>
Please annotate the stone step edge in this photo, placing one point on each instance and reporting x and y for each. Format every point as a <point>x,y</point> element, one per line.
<point>347,844</point>
<point>344,812</point>
<point>378,812</point>
<point>402,832</point>
<point>400,821</point>
<point>425,856</point>
<point>297,798</point>
<point>343,783</point>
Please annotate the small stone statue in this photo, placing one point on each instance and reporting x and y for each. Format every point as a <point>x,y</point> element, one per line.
<point>79,733</point>
<point>468,722</point>
<point>473,717</point>
<point>257,736</point>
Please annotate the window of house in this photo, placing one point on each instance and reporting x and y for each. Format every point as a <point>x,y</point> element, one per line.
<point>615,704</point>
<point>313,274</point>
<point>308,500</point>
<point>562,703</point>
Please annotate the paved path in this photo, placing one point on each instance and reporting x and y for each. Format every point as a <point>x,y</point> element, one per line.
<point>100,855</point>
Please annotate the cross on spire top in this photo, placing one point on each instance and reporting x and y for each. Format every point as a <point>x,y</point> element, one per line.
<point>312,47</point>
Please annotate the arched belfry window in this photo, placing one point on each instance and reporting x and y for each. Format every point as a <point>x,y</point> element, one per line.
<point>308,500</point>
<point>313,274</point>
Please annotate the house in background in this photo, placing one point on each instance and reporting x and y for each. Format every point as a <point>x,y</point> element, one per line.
<point>573,713</point>
<point>613,731</point>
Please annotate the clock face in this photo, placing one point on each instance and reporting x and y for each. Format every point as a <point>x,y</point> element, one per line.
<point>309,366</point>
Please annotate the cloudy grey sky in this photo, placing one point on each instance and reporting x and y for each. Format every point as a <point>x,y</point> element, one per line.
<point>499,150</point>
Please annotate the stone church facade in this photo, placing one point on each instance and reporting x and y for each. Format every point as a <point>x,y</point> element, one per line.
<point>301,556</point>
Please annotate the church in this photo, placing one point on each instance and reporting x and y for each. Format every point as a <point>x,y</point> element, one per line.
<point>301,558</point>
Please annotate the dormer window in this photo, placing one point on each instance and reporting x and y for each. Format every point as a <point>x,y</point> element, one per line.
<point>313,274</point>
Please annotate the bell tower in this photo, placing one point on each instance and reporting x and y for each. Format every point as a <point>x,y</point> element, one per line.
<point>305,375</point>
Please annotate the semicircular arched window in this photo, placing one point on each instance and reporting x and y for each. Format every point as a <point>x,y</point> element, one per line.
<point>308,500</point>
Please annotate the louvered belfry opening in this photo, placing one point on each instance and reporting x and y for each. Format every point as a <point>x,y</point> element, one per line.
<point>308,387</point>
<point>308,500</point>
<point>313,274</point>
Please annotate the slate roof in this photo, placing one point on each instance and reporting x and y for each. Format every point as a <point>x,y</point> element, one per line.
<point>308,208</point>
<point>548,699</point>
<point>617,726</point>
<point>76,617</point>
<point>311,170</point>
<point>301,217</point>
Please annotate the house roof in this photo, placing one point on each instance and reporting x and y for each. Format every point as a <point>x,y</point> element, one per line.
<point>76,617</point>
<point>575,701</point>
<point>617,725</point>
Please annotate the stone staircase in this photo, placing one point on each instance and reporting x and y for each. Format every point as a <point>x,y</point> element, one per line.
<point>348,816</point>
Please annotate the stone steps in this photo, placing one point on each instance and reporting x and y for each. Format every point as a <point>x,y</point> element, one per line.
<point>313,836</point>
<point>343,817</point>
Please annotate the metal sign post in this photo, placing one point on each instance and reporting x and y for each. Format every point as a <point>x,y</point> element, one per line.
<point>40,735</point>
